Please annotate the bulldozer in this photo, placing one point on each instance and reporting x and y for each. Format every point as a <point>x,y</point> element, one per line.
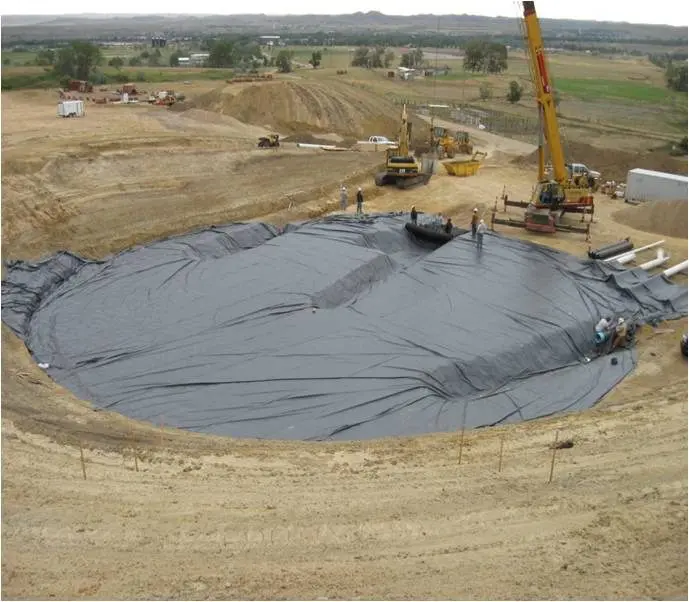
<point>447,146</point>
<point>271,141</point>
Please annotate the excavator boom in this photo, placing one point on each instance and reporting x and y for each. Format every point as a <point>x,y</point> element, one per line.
<point>544,91</point>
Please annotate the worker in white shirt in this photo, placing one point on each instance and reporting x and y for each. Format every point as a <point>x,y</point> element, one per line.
<point>480,231</point>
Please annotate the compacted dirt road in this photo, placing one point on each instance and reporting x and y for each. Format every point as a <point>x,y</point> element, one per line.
<point>168,514</point>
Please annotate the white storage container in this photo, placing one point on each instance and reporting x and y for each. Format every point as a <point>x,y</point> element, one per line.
<point>647,185</point>
<point>71,108</point>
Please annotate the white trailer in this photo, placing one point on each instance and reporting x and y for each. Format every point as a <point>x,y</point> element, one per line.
<point>647,185</point>
<point>71,108</point>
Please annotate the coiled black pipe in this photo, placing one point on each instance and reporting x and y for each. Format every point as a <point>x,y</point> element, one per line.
<point>611,250</point>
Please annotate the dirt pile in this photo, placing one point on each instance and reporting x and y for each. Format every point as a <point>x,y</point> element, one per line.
<point>614,165</point>
<point>668,218</point>
<point>294,108</point>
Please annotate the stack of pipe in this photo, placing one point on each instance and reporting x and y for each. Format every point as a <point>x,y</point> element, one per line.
<point>628,256</point>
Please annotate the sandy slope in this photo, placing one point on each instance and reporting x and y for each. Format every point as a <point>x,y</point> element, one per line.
<point>206,517</point>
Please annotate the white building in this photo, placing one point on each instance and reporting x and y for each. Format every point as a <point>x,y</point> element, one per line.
<point>198,59</point>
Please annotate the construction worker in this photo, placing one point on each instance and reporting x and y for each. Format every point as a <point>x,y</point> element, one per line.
<point>603,329</point>
<point>413,215</point>
<point>448,226</point>
<point>481,229</point>
<point>474,222</point>
<point>359,201</point>
<point>343,198</point>
<point>620,336</point>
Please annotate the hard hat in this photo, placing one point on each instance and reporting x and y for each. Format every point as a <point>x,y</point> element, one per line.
<point>482,221</point>
<point>475,210</point>
<point>359,188</point>
<point>620,320</point>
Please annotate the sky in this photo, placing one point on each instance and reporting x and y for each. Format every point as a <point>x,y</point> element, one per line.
<point>665,12</point>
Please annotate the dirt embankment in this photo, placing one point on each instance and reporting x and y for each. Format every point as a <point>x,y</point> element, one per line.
<point>614,165</point>
<point>295,108</point>
<point>668,218</point>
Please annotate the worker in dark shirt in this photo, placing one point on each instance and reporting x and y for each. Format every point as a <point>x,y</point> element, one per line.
<point>448,225</point>
<point>474,222</point>
<point>413,214</point>
<point>359,201</point>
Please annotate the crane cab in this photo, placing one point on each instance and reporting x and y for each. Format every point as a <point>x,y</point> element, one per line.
<point>542,212</point>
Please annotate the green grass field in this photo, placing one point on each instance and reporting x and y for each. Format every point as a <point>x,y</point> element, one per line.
<point>610,89</point>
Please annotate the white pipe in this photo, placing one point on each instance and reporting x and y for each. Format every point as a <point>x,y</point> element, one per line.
<point>633,252</point>
<point>660,259</point>
<point>624,258</point>
<point>675,269</point>
<point>302,145</point>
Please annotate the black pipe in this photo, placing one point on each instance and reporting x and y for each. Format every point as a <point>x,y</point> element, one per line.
<point>611,250</point>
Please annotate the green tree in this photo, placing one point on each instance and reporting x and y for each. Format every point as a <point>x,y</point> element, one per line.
<point>360,58</point>
<point>676,77</point>
<point>174,58</point>
<point>389,58</point>
<point>45,57</point>
<point>222,53</point>
<point>284,61</point>
<point>474,56</point>
<point>316,59</point>
<point>78,60</point>
<point>514,93</point>
<point>375,60</point>
<point>154,58</point>
<point>412,59</point>
<point>486,91</point>
<point>496,58</point>
<point>135,61</point>
<point>486,57</point>
<point>144,55</point>
<point>117,62</point>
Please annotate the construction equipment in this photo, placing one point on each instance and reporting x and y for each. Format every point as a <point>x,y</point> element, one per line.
<point>401,168</point>
<point>447,145</point>
<point>464,167</point>
<point>271,141</point>
<point>558,192</point>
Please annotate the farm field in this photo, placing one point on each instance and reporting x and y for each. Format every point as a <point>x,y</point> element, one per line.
<point>165,513</point>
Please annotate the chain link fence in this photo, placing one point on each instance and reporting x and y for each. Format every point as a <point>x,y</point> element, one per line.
<point>496,122</point>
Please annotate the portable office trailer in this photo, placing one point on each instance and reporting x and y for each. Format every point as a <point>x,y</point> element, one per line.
<point>647,185</point>
<point>71,108</point>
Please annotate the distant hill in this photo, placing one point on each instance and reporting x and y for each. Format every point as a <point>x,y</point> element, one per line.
<point>18,27</point>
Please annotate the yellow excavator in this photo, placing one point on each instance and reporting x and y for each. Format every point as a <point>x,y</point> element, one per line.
<point>402,169</point>
<point>556,192</point>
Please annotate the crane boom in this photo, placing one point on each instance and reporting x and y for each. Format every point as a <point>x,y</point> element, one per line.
<point>544,92</point>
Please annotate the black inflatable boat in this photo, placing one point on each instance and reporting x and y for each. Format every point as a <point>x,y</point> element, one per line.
<point>434,234</point>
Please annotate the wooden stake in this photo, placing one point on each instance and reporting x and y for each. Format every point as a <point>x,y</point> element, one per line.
<point>552,461</point>
<point>502,444</point>
<point>83,464</point>
<point>461,446</point>
<point>136,461</point>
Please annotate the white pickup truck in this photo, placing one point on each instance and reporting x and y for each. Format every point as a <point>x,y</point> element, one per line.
<point>380,140</point>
